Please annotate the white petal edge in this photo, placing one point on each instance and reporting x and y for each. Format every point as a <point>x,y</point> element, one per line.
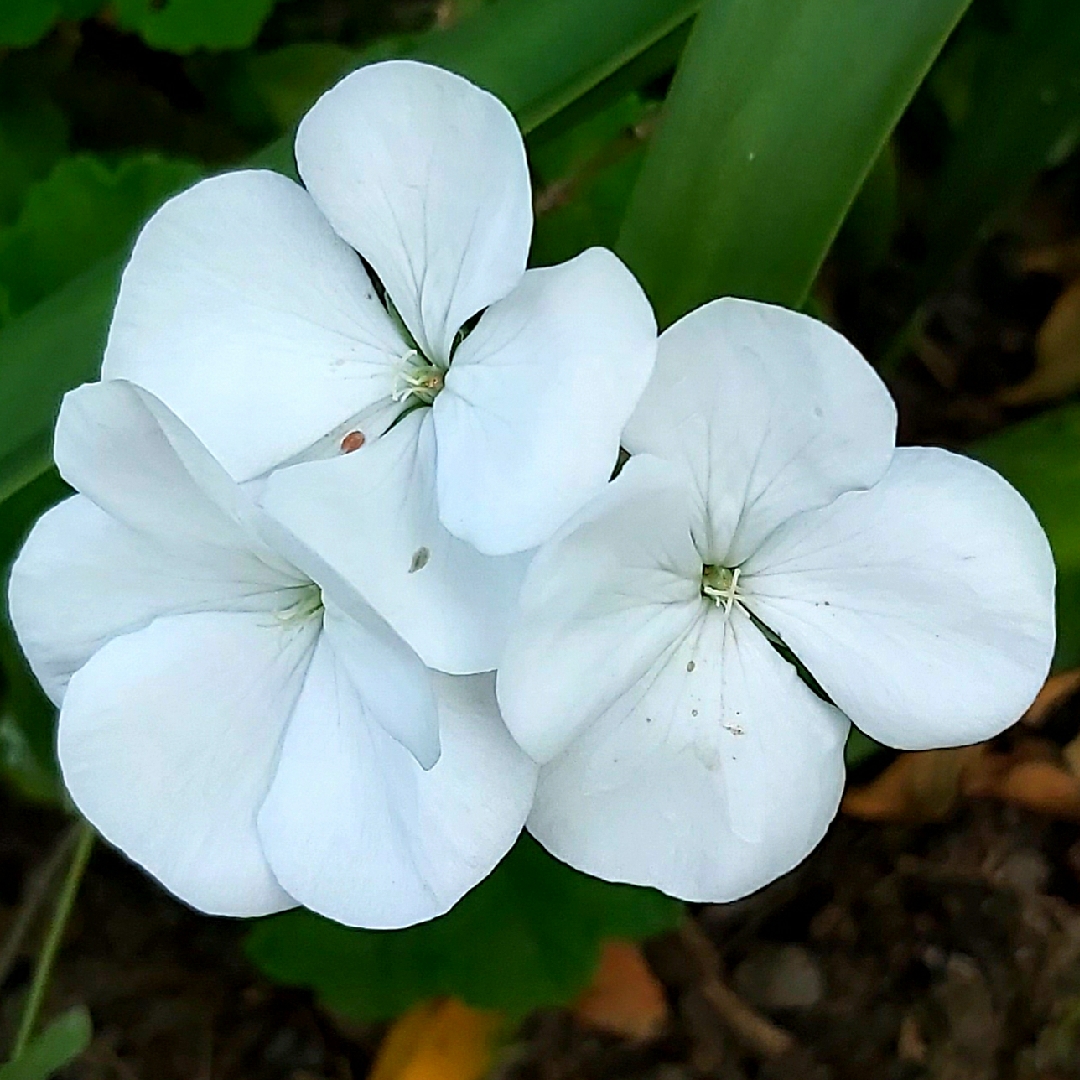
<point>252,320</point>
<point>609,596</point>
<point>536,399</point>
<point>358,832</point>
<point>625,803</point>
<point>425,175</point>
<point>83,578</point>
<point>924,607</point>
<point>371,515</point>
<point>168,740</point>
<point>770,412</point>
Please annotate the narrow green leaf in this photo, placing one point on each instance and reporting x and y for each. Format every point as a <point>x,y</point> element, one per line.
<point>777,113</point>
<point>1041,459</point>
<point>529,935</point>
<point>1021,116</point>
<point>538,55</point>
<point>58,1045</point>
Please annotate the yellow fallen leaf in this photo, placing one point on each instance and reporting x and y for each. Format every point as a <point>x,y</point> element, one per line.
<point>625,997</point>
<point>442,1039</point>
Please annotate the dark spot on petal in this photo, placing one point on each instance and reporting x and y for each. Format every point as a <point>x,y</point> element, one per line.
<point>690,665</point>
<point>419,559</point>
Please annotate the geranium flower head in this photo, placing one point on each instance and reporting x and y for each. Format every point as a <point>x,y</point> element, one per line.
<point>233,716</point>
<point>765,519</point>
<point>459,405</point>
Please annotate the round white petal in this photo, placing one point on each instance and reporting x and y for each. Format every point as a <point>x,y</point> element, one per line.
<point>371,516</point>
<point>83,578</point>
<point>252,320</point>
<point>924,607</point>
<point>770,412</point>
<point>167,742</point>
<point>536,400</point>
<point>425,175</point>
<point>605,601</point>
<point>709,818</point>
<point>359,832</point>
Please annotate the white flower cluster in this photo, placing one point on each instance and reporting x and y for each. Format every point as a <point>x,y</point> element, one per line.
<point>349,456</point>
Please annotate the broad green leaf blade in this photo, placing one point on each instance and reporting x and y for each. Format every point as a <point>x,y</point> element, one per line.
<point>23,22</point>
<point>776,115</point>
<point>538,55</point>
<point>58,1045</point>
<point>1041,459</point>
<point>529,935</point>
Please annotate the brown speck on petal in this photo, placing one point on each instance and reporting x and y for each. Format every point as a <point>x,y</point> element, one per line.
<point>353,441</point>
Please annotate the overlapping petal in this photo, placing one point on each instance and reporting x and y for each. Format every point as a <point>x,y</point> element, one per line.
<point>252,320</point>
<point>356,830</point>
<point>371,515</point>
<point>536,400</point>
<point>924,606</point>
<point>607,600</point>
<point>168,740</point>
<point>770,412</point>
<point>425,175</point>
<point>82,578</point>
<point>627,802</point>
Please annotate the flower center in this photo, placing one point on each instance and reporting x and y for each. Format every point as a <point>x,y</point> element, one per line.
<point>307,602</point>
<point>720,585</point>
<point>418,380</point>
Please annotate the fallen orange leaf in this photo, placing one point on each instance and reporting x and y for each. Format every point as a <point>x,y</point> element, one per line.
<point>1043,787</point>
<point>1057,349</point>
<point>916,787</point>
<point>625,997</point>
<point>442,1039</point>
<point>1056,691</point>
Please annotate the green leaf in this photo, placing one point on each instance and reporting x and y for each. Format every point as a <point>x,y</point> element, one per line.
<point>778,110</point>
<point>1021,115</point>
<point>527,936</point>
<point>24,22</point>
<point>1041,459</point>
<point>81,212</point>
<point>33,137</point>
<point>58,1045</point>
<point>288,80</point>
<point>583,179</point>
<point>183,26</point>
<point>538,55</point>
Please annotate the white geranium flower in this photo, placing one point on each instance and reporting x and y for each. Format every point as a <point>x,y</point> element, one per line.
<point>247,310</point>
<point>916,586</point>
<point>232,715</point>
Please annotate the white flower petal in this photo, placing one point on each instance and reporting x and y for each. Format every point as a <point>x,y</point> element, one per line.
<point>924,607</point>
<point>770,412</point>
<point>536,400</point>
<point>83,578</point>
<point>392,682</point>
<point>605,601</point>
<point>425,175</point>
<point>357,831</point>
<point>168,739</point>
<point>244,312</point>
<point>121,447</point>
<point>371,516</point>
<point>710,818</point>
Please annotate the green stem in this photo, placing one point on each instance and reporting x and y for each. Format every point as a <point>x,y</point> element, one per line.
<point>80,857</point>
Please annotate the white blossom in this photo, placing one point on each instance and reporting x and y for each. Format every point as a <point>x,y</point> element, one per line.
<point>233,716</point>
<point>425,451</point>
<point>765,513</point>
